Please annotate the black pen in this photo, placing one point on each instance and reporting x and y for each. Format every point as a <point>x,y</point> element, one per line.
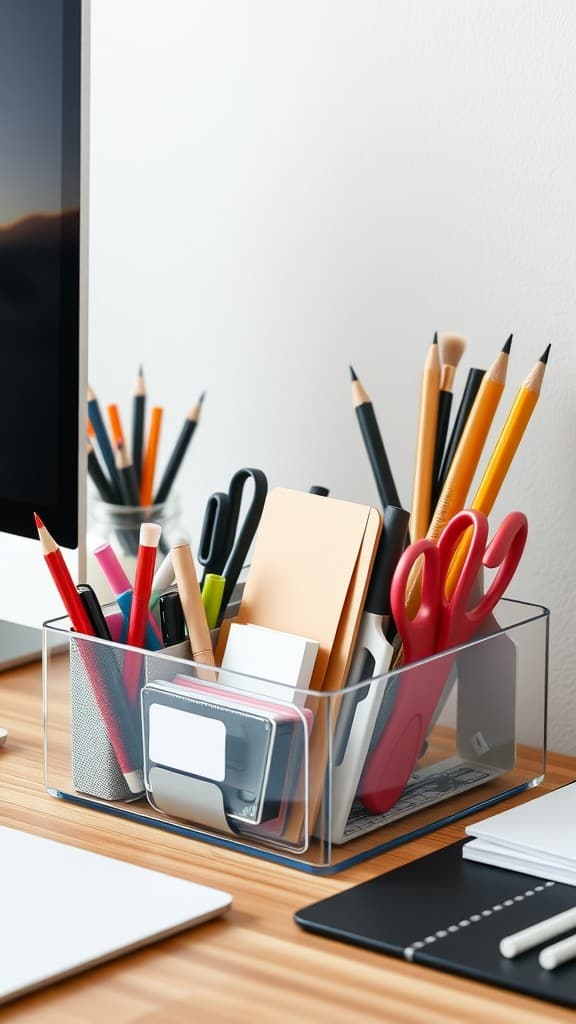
<point>94,611</point>
<point>172,621</point>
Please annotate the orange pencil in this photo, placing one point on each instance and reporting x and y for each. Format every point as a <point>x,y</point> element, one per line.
<point>116,426</point>
<point>424,463</point>
<point>149,461</point>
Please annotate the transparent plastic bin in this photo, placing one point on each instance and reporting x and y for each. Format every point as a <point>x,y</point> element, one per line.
<point>277,775</point>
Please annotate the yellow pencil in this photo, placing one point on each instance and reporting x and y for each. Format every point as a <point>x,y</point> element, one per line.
<point>504,451</point>
<point>465,461</point>
<point>426,443</point>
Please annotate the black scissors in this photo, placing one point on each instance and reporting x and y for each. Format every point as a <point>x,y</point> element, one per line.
<point>224,547</point>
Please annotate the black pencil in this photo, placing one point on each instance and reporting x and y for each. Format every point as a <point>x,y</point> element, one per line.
<point>473,382</point>
<point>374,445</point>
<point>104,444</point>
<point>138,410</point>
<point>98,477</point>
<point>184,438</point>
<point>126,476</point>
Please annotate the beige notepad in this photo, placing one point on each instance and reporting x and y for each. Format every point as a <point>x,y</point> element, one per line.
<point>312,559</point>
<point>309,575</point>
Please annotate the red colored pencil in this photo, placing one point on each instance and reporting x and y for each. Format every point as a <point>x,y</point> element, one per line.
<point>64,583</point>
<point>145,564</point>
<point>103,695</point>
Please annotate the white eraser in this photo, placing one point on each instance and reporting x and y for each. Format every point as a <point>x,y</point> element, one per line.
<point>280,664</point>
<point>150,534</point>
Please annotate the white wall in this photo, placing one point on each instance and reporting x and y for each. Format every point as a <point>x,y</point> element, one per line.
<point>280,189</point>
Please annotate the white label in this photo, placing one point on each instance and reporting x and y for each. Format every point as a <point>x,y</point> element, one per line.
<point>186,742</point>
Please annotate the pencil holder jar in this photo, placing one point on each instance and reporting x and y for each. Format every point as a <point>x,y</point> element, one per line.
<point>119,526</point>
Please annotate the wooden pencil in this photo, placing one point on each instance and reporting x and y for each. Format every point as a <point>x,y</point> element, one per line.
<point>425,444</point>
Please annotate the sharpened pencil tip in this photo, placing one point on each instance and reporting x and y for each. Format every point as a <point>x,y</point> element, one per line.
<point>38,521</point>
<point>202,397</point>
<point>544,356</point>
<point>352,374</point>
<point>435,340</point>
<point>506,348</point>
<point>140,370</point>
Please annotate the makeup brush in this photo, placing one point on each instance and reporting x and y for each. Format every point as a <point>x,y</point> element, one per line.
<point>451,351</point>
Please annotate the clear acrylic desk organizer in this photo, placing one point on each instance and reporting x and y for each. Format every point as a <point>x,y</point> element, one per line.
<point>486,741</point>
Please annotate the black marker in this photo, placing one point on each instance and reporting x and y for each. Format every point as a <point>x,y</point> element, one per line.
<point>172,622</point>
<point>94,611</point>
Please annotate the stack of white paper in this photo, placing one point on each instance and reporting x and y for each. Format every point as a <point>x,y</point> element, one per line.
<point>536,838</point>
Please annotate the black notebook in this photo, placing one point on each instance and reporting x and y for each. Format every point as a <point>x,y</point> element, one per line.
<point>450,913</point>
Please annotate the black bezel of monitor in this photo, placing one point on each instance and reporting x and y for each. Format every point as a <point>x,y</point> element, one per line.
<point>17,517</point>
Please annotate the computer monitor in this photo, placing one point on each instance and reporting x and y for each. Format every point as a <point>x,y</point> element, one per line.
<point>43,103</point>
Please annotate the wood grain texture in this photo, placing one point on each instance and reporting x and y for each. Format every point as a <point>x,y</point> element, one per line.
<point>254,964</point>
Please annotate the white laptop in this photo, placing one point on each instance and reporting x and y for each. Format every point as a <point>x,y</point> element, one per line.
<point>63,909</point>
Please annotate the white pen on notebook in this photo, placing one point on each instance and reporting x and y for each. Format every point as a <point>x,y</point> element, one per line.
<point>519,942</point>
<point>559,953</point>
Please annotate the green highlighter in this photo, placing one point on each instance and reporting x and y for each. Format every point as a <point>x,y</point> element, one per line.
<point>212,593</point>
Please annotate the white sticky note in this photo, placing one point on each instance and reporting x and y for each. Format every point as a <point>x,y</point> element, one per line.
<point>279,664</point>
<point>187,742</point>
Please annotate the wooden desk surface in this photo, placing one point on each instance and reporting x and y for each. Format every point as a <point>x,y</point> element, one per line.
<point>252,964</point>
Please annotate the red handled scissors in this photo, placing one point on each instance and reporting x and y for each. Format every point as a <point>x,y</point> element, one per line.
<point>440,624</point>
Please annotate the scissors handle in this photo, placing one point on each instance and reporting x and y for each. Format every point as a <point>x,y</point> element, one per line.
<point>215,540</point>
<point>458,622</point>
<point>503,553</point>
<point>418,634</point>
<point>239,548</point>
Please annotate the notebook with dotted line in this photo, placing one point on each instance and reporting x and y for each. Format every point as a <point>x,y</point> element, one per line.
<point>450,913</point>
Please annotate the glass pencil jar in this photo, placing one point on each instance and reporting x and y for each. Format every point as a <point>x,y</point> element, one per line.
<point>119,526</point>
